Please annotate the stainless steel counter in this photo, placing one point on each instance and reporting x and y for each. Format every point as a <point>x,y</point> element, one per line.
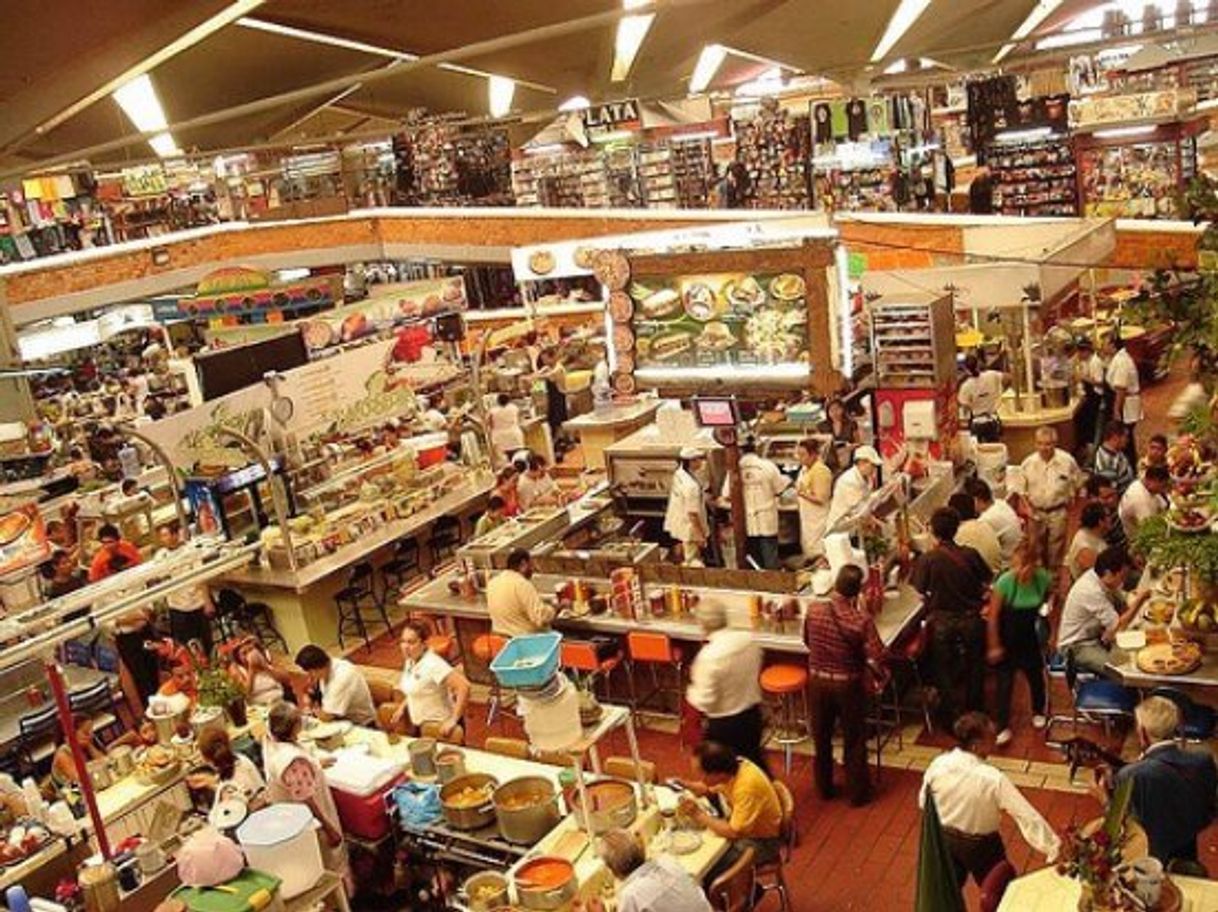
<point>901,609</point>
<point>607,416</point>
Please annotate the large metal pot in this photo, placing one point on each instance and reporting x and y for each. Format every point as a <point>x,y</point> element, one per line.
<point>527,809</point>
<point>1055,395</point>
<point>472,817</point>
<point>545,883</point>
<point>486,890</point>
<point>612,804</point>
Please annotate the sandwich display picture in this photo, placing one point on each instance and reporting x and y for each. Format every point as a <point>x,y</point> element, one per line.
<point>728,319</point>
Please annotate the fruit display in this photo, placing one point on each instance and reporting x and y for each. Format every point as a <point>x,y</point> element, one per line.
<point>1198,615</point>
<point>1189,519</point>
<point>1159,611</point>
<point>1187,459</point>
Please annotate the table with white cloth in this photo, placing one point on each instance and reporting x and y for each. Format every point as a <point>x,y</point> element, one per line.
<point>1047,891</point>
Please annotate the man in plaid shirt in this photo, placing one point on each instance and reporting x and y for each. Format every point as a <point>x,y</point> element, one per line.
<point>842,641</point>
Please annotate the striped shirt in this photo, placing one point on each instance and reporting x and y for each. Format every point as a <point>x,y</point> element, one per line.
<point>1115,467</point>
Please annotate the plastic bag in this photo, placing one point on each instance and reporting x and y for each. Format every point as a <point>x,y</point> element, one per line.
<point>418,804</point>
<point>208,858</point>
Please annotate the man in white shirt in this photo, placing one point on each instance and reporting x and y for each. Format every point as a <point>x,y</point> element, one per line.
<point>971,796</point>
<point>685,518</point>
<point>762,481</point>
<point>1122,379</point>
<point>190,607</point>
<point>536,488</point>
<point>657,885</point>
<point>1095,609</point>
<point>979,396</point>
<point>854,485</point>
<point>1145,498</point>
<point>1001,517</point>
<point>1050,480</point>
<point>976,533</point>
<point>724,684</point>
<point>344,692</point>
<point>513,602</point>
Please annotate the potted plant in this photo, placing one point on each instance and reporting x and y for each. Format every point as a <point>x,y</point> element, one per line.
<point>218,689</point>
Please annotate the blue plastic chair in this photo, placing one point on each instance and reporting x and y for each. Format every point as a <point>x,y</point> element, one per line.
<point>1098,700</point>
<point>1197,721</point>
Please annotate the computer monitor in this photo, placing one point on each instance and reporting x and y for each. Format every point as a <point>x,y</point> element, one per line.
<point>716,413</point>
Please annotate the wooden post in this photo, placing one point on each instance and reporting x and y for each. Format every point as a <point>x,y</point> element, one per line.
<point>736,496</point>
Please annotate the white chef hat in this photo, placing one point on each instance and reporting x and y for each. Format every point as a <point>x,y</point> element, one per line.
<point>691,453</point>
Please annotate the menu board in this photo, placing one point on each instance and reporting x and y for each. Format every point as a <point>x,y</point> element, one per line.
<point>729,319</point>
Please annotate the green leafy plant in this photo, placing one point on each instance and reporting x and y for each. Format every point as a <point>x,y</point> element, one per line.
<point>217,688</point>
<point>1164,547</point>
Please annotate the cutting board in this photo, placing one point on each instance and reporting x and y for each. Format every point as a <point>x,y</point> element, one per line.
<point>248,882</point>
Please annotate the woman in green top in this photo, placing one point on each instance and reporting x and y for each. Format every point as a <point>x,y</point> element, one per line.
<point>1015,603</point>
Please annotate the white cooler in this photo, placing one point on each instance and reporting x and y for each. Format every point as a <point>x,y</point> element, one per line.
<point>282,840</point>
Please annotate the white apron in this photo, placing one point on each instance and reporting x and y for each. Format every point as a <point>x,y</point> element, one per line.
<point>813,520</point>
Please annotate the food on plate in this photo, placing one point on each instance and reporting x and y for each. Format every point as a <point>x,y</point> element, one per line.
<point>584,257</point>
<point>768,336</point>
<point>716,337</point>
<point>787,287</point>
<point>612,269</point>
<point>1172,582</point>
<point>700,302</point>
<point>661,305</point>
<point>1185,458</point>
<point>354,326</point>
<point>13,526</point>
<point>541,262</point>
<point>667,346</point>
<point>1159,611</point>
<point>1176,658</point>
<point>1198,615</point>
<point>745,294</point>
<point>621,308</point>
<point>623,339</point>
<point>470,797</point>
<point>545,873</point>
<point>1189,519</point>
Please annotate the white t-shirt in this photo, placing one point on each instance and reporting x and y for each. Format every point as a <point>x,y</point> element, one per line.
<point>1123,374</point>
<point>850,490</point>
<point>981,394</point>
<point>684,498</point>
<point>762,482</point>
<point>1138,504</point>
<point>506,434</point>
<point>1088,612</point>
<point>346,694</point>
<point>427,696</point>
<point>530,491</point>
<point>1005,522</point>
<point>187,598</point>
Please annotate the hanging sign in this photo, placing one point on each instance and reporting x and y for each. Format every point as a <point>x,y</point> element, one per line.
<point>611,117</point>
<point>145,180</point>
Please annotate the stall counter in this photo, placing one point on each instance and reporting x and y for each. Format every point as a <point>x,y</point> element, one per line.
<point>605,425</point>
<point>1047,891</point>
<point>1019,426</point>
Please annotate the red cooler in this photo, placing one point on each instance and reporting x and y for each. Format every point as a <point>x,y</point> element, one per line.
<point>359,784</point>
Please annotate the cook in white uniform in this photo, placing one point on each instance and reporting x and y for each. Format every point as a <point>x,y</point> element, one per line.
<point>762,482</point>
<point>1126,387</point>
<point>854,485</point>
<point>980,394</point>
<point>685,519</point>
<point>507,437</point>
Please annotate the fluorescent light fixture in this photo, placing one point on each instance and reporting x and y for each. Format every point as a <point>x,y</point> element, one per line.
<point>292,275</point>
<point>1024,135</point>
<point>1122,132</point>
<point>631,31</point>
<point>708,64</point>
<point>1070,39</point>
<point>614,136</point>
<point>575,103</point>
<point>896,67</point>
<point>139,102</point>
<point>768,83</point>
<point>502,91</point>
<point>906,15</point>
<point>1039,14</point>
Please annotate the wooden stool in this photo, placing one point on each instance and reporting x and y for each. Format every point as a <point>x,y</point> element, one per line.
<point>786,682</point>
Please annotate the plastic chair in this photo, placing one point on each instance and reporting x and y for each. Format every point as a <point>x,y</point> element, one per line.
<point>1055,670</point>
<point>582,657</point>
<point>995,885</point>
<point>508,747</point>
<point>1197,722</point>
<point>486,647</point>
<point>787,682</point>
<point>97,703</point>
<point>652,650</point>
<point>732,891</point>
<point>769,875</point>
<point>37,734</point>
<point>106,658</point>
<point>1097,701</point>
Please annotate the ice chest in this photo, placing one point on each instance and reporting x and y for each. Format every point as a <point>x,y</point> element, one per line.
<point>359,783</point>
<point>246,884</point>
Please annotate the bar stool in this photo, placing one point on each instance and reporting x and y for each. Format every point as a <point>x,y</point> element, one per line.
<point>352,600</point>
<point>486,647</point>
<point>581,657</point>
<point>400,568</point>
<point>906,654</point>
<point>652,650</point>
<point>445,537</point>
<point>786,682</point>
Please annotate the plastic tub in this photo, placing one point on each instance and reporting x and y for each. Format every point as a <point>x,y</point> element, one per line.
<point>553,723</point>
<point>527,661</point>
<point>282,841</point>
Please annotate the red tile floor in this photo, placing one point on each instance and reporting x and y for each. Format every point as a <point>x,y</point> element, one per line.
<point>866,858</point>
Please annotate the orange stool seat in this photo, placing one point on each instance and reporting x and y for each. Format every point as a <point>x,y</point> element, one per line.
<point>784,679</point>
<point>488,645</point>
<point>441,644</point>
<point>582,656</point>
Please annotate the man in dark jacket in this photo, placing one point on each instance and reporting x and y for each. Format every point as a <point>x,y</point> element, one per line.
<point>1174,788</point>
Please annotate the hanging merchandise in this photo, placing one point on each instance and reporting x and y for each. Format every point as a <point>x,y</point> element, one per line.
<point>773,148</point>
<point>877,117</point>
<point>856,119</point>
<point>839,120</point>
<point>820,121</point>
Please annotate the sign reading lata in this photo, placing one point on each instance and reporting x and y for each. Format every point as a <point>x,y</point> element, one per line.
<point>611,117</point>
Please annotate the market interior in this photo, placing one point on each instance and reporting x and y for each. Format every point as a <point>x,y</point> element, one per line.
<point>636,455</point>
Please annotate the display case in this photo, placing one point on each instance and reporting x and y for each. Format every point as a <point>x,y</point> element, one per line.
<point>1137,171</point>
<point>913,342</point>
<point>1034,178</point>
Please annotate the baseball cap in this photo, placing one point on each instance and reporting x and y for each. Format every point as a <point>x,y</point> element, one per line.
<point>868,454</point>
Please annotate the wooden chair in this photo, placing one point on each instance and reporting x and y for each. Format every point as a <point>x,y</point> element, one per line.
<point>769,875</point>
<point>732,891</point>
<point>623,768</point>
<point>995,885</point>
<point>432,730</point>
<point>508,747</point>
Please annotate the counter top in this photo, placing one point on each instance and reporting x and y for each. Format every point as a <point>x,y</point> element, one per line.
<point>611,415</point>
<point>317,570</point>
<point>901,608</point>
<point>1034,417</point>
<point>1047,891</point>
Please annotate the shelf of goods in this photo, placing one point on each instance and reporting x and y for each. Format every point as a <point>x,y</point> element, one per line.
<point>774,148</point>
<point>1137,178</point>
<point>910,344</point>
<point>860,189</point>
<point>1035,178</point>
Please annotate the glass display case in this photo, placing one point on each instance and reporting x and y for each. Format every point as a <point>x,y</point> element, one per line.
<point>1137,172</point>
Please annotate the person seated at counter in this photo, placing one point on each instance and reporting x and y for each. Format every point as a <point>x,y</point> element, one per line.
<point>1174,787</point>
<point>236,776</point>
<point>536,487</point>
<point>1096,609</point>
<point>854,485</point>
<point>755,811</point>
<point>259,679</point>
<point>62,576</point>
<point>979,396</point>
<point>644,885</point>
<point>1000,515</point>
<point>114,555</point>
<point>724,684</point>
<point>1110,460</point>
<point>1145,498</point>
<point>1089,540</point>
<point>63,767</point>
<point>494,517</point>
<point>344,692</point>
<point>975,532</point>
<point>506,483</point>
<point>513,602</point>
<point>434,690</point>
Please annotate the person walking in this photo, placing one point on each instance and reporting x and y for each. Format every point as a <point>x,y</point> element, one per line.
<point>842,643</point>
<point>1125,387</point>
<point>1016,601</point>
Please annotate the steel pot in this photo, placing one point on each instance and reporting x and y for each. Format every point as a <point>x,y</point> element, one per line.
<point>450,764</point>
<point>553,890</point>
<point>99,774</point>
<point>423,756</point>
<point>122,759</point>
<point>482,883</point>
<point>612,804</point>
<point>468,818</point>
<point>1055,395</point>
<point>527,809</point>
